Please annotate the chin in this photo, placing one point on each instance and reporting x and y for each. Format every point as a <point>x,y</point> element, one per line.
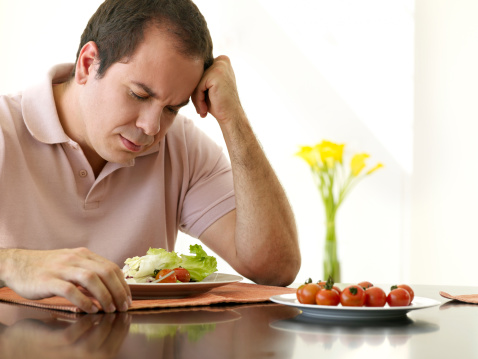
<point>121,159</point>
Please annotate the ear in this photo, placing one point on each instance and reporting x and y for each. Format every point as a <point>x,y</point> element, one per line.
<point>86,64</point>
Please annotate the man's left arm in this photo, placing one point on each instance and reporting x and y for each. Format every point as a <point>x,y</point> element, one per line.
<point>259,238</point>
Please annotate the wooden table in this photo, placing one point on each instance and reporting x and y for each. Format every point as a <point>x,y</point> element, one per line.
<point>241,331</point>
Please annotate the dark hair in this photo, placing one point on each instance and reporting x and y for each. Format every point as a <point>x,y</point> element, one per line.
<point>117,28</point>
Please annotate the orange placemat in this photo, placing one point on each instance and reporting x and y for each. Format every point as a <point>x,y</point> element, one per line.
<point>467,298</point>
<point>230,293</point>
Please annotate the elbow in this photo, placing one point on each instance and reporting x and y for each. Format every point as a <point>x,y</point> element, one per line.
<point>277,270</point>
<point>285,275</point>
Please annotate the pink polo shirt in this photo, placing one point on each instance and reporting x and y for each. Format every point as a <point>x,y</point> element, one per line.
<point>49,197</point>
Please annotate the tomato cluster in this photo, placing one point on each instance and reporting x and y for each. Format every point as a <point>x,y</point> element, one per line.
<point>180,274</point>
<point>357,295</point>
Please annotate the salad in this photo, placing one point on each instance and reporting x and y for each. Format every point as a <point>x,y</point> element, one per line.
<point>158,262</point>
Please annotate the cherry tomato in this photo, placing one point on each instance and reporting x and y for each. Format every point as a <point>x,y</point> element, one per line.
<point>352,296</point>
<point>398,297</point>
<point>307,292</point>
<point>171,279</point>
<point>322,285</point>
<point>365,284</point>
<point>327,297</point>
<point>375,297</point>
<point>182,274</point>
<point>409,290</point>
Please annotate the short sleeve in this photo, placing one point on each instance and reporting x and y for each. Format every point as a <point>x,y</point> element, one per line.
<point>210,193</point>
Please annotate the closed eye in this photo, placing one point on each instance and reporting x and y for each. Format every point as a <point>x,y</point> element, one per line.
<point>172,110</point>
<point>138,97</point>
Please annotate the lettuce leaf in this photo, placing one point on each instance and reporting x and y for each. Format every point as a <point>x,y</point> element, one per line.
<point>143,269</point>
<point>155,259</point>
<point>200,265</point>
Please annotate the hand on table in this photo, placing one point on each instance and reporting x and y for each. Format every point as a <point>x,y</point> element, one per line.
<point>35,274</point>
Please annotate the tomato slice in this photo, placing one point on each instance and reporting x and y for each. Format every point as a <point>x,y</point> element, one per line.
<point>182,274</point>
<point>171,279</point>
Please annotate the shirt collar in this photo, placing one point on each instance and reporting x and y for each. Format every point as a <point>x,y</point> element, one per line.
<point>39,110</point>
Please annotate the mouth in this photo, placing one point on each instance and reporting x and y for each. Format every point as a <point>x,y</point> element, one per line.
<point>131,146</point>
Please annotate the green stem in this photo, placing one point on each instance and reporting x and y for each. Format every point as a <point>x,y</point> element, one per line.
<point>331,262</point>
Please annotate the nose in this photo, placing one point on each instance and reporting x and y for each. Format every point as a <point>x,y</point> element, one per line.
<point>150,122</point>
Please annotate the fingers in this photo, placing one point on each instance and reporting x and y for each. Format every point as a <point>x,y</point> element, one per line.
<point>217,93</point>
<point>200,96</point>
<point>41,274</point>
<point>112,276</point>
<point>199,99</point>
<point>119,275</point>
<point>73,294</point>
<point>103,279</point>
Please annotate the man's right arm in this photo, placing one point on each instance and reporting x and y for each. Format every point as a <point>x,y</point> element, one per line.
<point>36,274</point>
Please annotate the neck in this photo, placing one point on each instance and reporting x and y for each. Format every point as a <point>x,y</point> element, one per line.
<point>67,107</point>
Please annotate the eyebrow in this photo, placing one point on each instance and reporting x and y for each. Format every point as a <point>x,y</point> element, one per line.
<point>151,93</point>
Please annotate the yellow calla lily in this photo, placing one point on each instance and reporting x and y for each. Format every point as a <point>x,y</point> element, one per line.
<point>358,163</point>
<point>308,154</point>
<point>330,152</point>
<point>379,165</point>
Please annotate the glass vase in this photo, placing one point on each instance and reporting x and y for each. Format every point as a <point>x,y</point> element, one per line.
<point>331,262</point>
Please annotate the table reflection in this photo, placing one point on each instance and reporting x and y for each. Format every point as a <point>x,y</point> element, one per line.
<point>456,304</point>
<point>239,331</point>
<point>57,336</point>
<point>193,323</point>
<point>222,331</point>
<point>353,334</point>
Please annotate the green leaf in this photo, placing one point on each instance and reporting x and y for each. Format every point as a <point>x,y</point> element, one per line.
<point>199,266</point>
<point>140,268</point>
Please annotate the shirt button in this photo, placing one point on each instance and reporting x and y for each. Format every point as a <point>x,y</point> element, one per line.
<point>83,173</point>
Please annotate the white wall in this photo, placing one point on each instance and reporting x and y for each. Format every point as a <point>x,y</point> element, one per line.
<point>316,71</point>
<point>445,197</point>
<point>339,70</point>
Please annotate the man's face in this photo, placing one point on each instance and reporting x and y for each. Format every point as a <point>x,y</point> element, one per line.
<point>131,108</point>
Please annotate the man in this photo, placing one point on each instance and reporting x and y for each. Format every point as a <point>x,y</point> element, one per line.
<point>97,157</point>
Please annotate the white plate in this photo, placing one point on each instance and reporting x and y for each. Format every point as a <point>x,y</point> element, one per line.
<point>181,290</point>
<point>355,313</point>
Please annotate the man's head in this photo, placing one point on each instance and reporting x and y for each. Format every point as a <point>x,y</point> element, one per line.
<point>139,62</point>
<point>118,27</point>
